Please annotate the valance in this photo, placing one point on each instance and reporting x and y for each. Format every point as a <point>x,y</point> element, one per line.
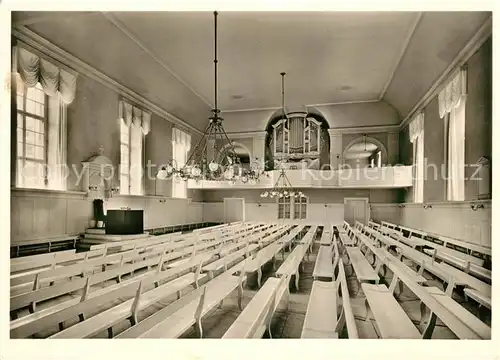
<point>131,114</point>
<point>453,93</point>
<point>180,137</point>
<point>34,69</point>
<point>416,126</point>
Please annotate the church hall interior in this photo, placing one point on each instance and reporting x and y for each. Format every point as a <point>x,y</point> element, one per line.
<point>218,174</point>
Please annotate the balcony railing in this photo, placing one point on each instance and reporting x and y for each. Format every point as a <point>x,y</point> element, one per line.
<point>383,177</point>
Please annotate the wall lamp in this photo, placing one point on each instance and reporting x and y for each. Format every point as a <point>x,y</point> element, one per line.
<point>427,206</point>
<point>163,201</point>
<point>475,206</point>
<point>401,206</point>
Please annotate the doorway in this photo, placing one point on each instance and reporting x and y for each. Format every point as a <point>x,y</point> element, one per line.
<point>356,209</point>
<point>234,210</point>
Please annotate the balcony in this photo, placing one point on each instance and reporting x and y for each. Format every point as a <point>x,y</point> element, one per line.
<point>361,178</point>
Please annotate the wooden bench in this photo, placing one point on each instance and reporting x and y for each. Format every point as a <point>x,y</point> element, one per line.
<point>91,300</point>
<point>361,266</point>
<point>479,297</point>
<point>326,238</point>
<point>269,252</point>
<point>392,321</point>
<point>450,319</point>
<point>126,310</point>
<point>257,315</point>
<point>326,262</point>
<point>463,262</point>
<point>346,317</point>
<point>31,298</point>
<point>321,313</point>
<point>291,266</point>
<point>346,240</point>
<point>472,322</point>
<point>177,318</point>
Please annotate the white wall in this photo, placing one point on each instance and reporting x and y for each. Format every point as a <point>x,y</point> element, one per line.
<point>456,220</point>
<point>316,213</point>
<point>40,214</point>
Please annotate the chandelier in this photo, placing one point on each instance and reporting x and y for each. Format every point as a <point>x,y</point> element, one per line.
<point>214,157</point>
<point>282,188</point>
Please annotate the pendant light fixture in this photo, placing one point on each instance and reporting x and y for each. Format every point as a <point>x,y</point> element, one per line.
<point>214,157</point>
<point>282,188</point>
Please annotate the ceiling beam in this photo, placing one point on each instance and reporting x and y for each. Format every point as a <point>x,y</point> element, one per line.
<point>402,52</point>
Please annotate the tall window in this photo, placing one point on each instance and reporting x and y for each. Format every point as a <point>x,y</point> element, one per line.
<point>131,145</point>
<point>32,138</point>
<point>452,101</point>
<point>284,207</point>
<point>288,206</point>
<point>300,207</point>
<point>417,138</point>
<point>41,138</point>
<point>181,144</point>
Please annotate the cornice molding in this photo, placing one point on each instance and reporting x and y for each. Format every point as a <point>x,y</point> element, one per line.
<point>364,130</point>
<point>47,48</point>
<point>484,32</point>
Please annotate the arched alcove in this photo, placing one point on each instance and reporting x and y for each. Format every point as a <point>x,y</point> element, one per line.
<point>299,140</point>
<point>359,151</point>
<point>243,153</point>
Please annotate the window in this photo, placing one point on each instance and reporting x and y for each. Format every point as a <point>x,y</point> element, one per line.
<point>289,205</point>
<point>300,208</point>
<point>284,207</point>
<point>32,130</point>
<point>131,145</point>
<point>181,143</point>
<point>41,139</point>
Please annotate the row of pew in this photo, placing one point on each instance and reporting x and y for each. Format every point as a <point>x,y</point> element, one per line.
<point>215,262</point>
<point>370,256</point>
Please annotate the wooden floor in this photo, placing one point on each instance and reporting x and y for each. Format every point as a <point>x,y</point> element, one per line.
<point>286,323</point>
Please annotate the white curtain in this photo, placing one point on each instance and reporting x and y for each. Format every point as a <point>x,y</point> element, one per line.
<point>136,168</point>
<point>57,144</point>
<point>132,114</point>
<point>417,138</point>
<point>181,145</point>
<point>452,101</point>
<point>34,69</point>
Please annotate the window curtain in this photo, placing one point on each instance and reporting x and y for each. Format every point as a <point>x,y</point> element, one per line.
<point>452,99</point>
<point>139,123</point>
<point>417,139</point>
<point>57,144</point>
<point>34,69</point>
<point>181,144</point>
<point>60,86</point>
<point>129,113</point>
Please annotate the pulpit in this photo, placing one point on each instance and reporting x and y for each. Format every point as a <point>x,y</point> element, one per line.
<point>124,222</point>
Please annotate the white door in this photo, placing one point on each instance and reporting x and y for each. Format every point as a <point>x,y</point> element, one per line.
<point>234,210</point>
<point>356,209</point>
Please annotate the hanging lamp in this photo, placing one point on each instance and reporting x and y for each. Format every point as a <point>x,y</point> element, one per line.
<point>214,157</point>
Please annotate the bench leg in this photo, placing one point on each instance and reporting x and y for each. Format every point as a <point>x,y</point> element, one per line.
<point>423,309</point>
<point>13,315</point>
<point>297,278</point>
<point>81,317</point>
<point>430,326</point>
<point>110,333</point>
<point>240,297</point>
<point>61,326</point>
<point>199,328</point>
<point>259,277</point>
<point>367,308</point>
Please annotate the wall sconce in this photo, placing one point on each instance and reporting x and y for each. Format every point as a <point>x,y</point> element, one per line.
<point>401,206</point>
<point>427,206</point>
<point>93,188</point>
<point>163,201</point>
<point>259,204</point>
<point>475,206</point>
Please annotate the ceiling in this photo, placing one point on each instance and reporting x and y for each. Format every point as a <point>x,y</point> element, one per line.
<point>329,57</point>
